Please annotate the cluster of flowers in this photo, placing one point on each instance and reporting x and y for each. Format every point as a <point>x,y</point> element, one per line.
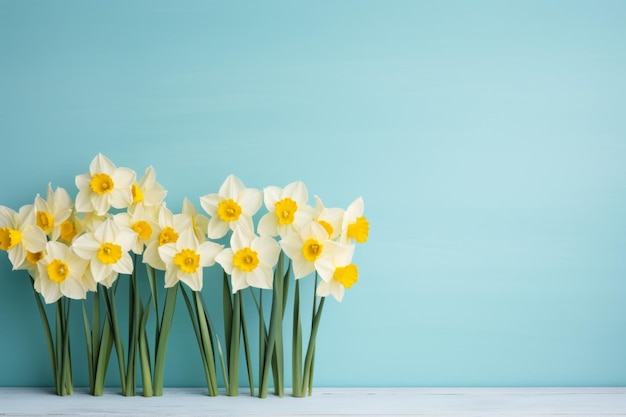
<point>71,248</point>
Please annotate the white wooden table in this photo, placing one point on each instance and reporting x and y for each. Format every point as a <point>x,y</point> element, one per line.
<point>326,402</point>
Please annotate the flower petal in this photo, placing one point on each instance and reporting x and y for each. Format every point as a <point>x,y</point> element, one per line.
<point>268,225</point>
<point>225,259</point>
<point>250,201</point>
<point>217,228</point>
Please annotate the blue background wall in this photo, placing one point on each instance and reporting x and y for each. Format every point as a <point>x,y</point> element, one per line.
<point>488,140</point>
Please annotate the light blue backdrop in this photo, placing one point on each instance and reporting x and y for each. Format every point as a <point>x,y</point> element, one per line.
<point>488,140</point>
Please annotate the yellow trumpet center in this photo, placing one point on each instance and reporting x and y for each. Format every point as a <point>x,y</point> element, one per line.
<point>359,230</point>
<point>329,229</point>
<point>285,210</point>
<point>188,260</point>
<point>109,253</point>
<point>346,275</point>
<point>33,257</point>
<point>9,238</point>
<point>312,250</point>
<point>137,194</point>
<point>246,260</point>
<point>68,231</point>
<point>143,229</point>
<point>101,183</point>
<point>45,221</point>
<point>167,235</point>
<point>228,210</point>
<point>58,271</point>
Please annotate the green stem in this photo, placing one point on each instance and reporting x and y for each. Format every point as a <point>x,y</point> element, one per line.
<point>296,346</point>
<point>246,347</point>
<point>163,335</point>
<point>47,333</point>
<point>235,337</point>
<point>274,338</point>
<point>119,348</point>
<point>308,361</point>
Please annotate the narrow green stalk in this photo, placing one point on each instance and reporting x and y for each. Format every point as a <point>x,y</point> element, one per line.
<point>204,335</point>
<point>91,371</point>
<point>308,361</point>
<point>246,347</point>
<point>163,335</point>
<point>47,333</point>
<point>274,338</point>
<point>134,320</point>
<point>296,346</point>
<point>262,330</point>
<point>233,357</point>
<point>119,348</point>
<point>311,372</point>
<point>66,380</point>
<point>223,364</point>
<point>144,351</point>
<point>227,308</point>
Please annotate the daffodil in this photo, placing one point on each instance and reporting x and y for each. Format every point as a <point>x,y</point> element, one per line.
<point>53,211</point>
<point>355,227</point>
<point>308,247</point>
<point>287,210</point>
<point>107,248</point>
<point>338,273</point>
<point>60,273</point>
<point>199,222</point>
<point>147,192</point>
<point>169,227</point>
<point>19,234</point>
<point>329,218</point>
<point>249,260</point>
<point>142,220</point>
<point>232,207</point>
<point>105,186</point>
<point>185,259</point>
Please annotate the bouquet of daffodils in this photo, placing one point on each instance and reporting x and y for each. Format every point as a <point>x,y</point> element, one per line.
<point>79,249</point>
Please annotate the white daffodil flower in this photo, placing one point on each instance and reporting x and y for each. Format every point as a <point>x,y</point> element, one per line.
<point>308,248</point>
<point>232,207</point>
<point>329,218</point>
<point>147,192</point>
<point>107,248</point>
<point>169,227</point>
<point>105,186</point>
<point>19,235</point>
<point>249,260</point>
<point>355,226</point>
<point>142,220</point>
<point>185,259</point>
<point>287,209</point>
<point>338,273</point>
<point>53,211</point>
<point>199,222</point>
<point>60,273</point>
